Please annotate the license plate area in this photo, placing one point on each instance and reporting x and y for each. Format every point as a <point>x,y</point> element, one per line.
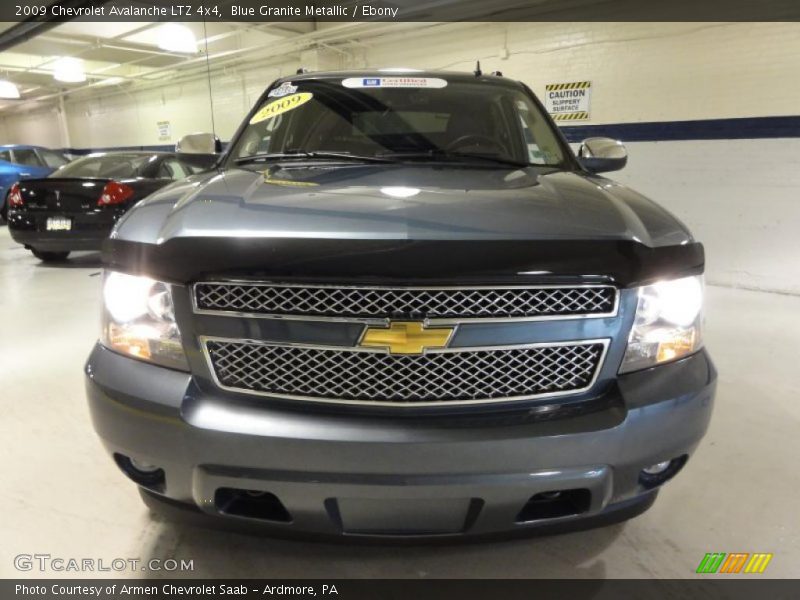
<point>59,224</point>
<point>419,516</point>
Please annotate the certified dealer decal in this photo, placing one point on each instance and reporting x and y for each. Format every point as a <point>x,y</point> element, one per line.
<point>394,82</point>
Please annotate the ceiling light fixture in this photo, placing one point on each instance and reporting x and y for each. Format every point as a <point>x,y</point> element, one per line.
<point>174,37</point>
<point>8,90</point>
<point>69,70</point>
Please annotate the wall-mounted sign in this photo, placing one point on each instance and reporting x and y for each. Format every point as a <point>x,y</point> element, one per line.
<point>164,131</point>
<point>568,101</point>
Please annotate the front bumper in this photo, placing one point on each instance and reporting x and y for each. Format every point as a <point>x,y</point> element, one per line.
<point>383,476</point>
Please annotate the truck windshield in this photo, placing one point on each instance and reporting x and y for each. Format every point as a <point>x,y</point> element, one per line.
<point>403,118</point>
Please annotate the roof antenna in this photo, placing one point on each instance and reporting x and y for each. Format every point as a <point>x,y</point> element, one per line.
<point>478,71</point>
<point>208,74</point>
<point>301,70</point>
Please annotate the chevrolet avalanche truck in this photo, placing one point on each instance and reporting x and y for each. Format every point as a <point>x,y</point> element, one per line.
<point>400,306</point>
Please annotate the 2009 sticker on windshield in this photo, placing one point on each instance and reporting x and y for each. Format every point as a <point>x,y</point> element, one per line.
<point>280,106</point>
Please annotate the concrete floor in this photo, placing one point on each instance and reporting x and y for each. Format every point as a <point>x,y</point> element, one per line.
<point>61,495</point>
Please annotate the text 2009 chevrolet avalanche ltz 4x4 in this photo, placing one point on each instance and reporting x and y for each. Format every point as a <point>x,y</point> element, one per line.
<point>401,306</point>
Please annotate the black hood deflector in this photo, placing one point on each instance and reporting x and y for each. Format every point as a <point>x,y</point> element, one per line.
<point>188,259</point>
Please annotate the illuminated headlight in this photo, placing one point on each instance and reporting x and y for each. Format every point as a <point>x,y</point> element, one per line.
<point>668,323</point>
<point>139,320</point>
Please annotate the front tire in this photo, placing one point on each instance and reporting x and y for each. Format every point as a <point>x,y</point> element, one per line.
<point>4,210</point>
<point>50,256</point>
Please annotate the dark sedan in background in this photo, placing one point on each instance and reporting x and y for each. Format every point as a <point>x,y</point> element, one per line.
<point>76,207</point>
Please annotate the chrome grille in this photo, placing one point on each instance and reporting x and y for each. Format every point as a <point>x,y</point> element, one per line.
<point>436,377</point>
<point>409,302</point>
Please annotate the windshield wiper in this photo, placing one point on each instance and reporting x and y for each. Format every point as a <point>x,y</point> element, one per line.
<point>459,156</point>
<point>322,155</point>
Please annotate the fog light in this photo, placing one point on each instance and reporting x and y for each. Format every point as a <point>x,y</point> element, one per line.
<point>661,472</point>
<point>142,473</point>
<point>657,468</point>
<point>143,466</point>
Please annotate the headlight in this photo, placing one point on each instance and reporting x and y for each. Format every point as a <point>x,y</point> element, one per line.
<point>139,320</point>
<point>668,323</point>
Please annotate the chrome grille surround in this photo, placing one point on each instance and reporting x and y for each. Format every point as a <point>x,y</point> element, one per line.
<point>377,303</point>
<point>373,377</point>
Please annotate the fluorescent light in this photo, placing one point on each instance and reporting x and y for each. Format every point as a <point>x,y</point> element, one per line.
<point>8,90</point>
<point>69,70</point>
<point>174,37</point>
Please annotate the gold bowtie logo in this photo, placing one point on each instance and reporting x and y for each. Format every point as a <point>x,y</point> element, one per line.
<point>403,337</point>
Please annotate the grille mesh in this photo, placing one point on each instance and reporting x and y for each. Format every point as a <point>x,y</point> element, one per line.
<point>369,377</point>
<point>405,302</point>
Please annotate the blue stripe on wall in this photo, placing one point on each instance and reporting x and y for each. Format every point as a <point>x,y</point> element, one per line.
<point>653,131</point>
<point>707,129</point>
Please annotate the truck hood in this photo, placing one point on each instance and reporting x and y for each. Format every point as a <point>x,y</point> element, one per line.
<point>399,202</point>
<point>398,222</point>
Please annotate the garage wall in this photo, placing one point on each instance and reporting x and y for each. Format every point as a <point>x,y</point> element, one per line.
<point>39,126</point>
<point>640,71</point>
<point>131,119</point>
<point>738,195</point>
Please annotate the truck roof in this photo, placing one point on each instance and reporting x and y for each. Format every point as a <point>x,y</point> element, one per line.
<point>449,76</point>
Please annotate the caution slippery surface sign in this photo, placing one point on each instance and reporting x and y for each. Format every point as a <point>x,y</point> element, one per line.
<point>568,101</point>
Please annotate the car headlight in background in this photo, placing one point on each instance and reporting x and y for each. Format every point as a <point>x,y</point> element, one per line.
<point>668,323</point>
<point>139,320</point>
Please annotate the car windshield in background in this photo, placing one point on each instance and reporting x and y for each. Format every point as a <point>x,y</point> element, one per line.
<point>26,157</point>
<point>53,159</point>
<point>403,118</point>
<point>111,166</point>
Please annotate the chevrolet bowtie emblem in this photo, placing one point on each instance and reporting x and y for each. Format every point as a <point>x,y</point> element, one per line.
<point>406,337</point>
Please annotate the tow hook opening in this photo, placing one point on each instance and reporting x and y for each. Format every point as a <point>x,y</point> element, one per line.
<point>252,504</point>
<point>661,472</point>
<point>142,473</point>
<point>554,504</point>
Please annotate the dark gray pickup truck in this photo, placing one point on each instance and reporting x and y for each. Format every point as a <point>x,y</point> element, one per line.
<point>401,306</point>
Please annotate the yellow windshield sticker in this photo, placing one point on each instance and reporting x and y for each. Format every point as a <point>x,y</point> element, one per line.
<point>280,106</point>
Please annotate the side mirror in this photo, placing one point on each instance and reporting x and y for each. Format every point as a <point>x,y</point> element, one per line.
<point>601,154</point>
<point>199,143</point>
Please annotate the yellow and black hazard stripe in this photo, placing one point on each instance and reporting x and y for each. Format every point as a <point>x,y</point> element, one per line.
<point>575,85</point>
<point>571,116</point>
